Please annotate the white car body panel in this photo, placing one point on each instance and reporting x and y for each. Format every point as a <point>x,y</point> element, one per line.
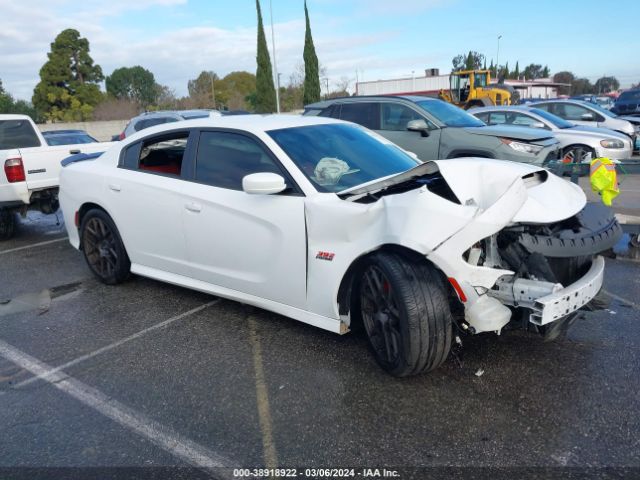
<point>265,250</point>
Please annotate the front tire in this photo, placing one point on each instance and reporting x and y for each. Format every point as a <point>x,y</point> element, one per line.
<point>103,249</point>
<point>406,314</point>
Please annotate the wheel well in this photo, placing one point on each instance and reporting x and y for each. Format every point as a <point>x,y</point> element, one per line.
<point>346,285</point>
<point>469,153</point>
<point>574,145</point>
<point>85,208</point>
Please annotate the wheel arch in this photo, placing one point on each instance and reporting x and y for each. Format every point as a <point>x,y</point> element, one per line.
<point>469,153</point>
<point>345,290</point>
<point>88,206</point>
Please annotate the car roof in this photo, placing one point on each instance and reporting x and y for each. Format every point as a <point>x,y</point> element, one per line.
<point>64,132</point>
<point>511,108</point>
<point>249,123</point>
<point>362,98</point>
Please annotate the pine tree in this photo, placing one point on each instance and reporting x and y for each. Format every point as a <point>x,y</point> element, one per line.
<point>484,66</point>
<point>265,91</point>
<point>516,72</point>
<point>68,87</point>
<point>311,87</point>
<point>492,68</point>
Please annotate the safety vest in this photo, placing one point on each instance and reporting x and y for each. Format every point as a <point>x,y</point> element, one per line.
<point>604,180</point>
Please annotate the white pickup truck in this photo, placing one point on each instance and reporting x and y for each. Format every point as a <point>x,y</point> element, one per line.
<point>29,180</point>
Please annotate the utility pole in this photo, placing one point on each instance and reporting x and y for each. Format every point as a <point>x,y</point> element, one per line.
<point>213,92</point>
<point>275,65</point>
<point>498,58</point>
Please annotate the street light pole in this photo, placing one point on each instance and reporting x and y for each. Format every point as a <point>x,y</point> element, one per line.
<point>275,64</point>
<point>498,58</point>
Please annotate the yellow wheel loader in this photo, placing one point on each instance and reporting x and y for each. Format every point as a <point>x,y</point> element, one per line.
<point>471,88</point>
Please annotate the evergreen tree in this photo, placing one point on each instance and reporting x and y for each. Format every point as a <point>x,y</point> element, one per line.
<point>516,72</point>
<point>311,87</point>
<point>68,87</point>
<point>135,83</point>
<point>265,101</point>
<point>545,72</point>
<point>484,66</point>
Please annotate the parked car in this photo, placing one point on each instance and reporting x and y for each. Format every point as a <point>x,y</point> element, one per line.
<point>330,224</point>
<point>591,142</point>
<point>67,137</point>
<point>29,180</point>
<point>590,114</point>
<point>151,119</point>
<point>433,129</point>
<point>628,103</point>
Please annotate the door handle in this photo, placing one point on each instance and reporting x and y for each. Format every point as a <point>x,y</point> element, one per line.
<point>193,207</point>
<point>114,187</point>
<point>75,151</point>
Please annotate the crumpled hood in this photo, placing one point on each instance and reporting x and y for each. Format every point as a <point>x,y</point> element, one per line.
<point>483,181</point>
<point>516,133</point>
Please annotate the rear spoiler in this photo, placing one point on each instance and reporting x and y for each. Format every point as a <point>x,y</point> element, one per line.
<point>80,157</point>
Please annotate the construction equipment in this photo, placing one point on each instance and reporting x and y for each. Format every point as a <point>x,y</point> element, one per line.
<point>471,88</point>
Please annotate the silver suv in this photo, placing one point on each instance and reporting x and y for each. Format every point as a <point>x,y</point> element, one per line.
<point>433,129</point>
<point>151,119</point>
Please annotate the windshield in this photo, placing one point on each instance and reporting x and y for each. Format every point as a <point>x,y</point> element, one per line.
<point>554,119</point>
<point>603,111</point>
<point>336,157</point>
<point>69,139</point>
<point>450,115</point>
<point>631,95</point>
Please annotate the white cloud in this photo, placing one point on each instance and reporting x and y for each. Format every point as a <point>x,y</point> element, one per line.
<point>174,56</point>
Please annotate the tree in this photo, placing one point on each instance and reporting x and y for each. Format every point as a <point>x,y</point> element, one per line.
<point>607,84</point>
<point>564,77</point>
<point>311,89</point>
<point>545,72</point>
<point>492,69</point>
<point>135,83</point>
<point>265,99</point>
<point>471,61</point>
<point>68,87</point>
<point>203,89</point>
<point>9,105</point>
<point>533,71</point>
<point>516,72</point>
<point>581,86</point>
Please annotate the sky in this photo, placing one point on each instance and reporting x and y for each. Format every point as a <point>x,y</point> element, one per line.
<point>363,39</point>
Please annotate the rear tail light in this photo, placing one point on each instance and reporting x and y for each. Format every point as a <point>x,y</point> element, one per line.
<point>14,170</point>
<point>121,136</point>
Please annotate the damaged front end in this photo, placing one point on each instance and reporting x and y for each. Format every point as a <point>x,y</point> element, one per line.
<point>531,268</point>
<point>556,267</point>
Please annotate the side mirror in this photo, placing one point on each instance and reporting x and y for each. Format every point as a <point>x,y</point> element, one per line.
<point>418,126</point>
<point>264,183</point>
<point>587,117</point>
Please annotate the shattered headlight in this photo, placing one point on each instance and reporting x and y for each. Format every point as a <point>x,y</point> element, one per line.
<point>612,143</point>
<point>522,147</point>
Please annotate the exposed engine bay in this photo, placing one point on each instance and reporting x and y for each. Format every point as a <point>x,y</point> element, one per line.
<point>547,259</point>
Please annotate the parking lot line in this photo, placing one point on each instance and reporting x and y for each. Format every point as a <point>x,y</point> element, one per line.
<point>161,435</point>
<point>75,361</point>
<point>39,244</point>
<point>622,299</point>
<point>262,398</point>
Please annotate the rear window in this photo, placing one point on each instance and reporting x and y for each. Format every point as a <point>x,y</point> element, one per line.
<point>152,122</point>
<point>17,134</point>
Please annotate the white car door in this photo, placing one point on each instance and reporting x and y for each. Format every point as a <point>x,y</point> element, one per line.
<point>254,244</point>
<point>577,114</point>
<point>145,196</point>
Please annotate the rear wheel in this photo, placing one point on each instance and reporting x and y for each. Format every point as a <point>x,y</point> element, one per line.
<point>7,223</point>
<point>103,248</point>
<point>405,312</point>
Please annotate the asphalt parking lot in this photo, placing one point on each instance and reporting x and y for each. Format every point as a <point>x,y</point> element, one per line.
<point>151,375</point>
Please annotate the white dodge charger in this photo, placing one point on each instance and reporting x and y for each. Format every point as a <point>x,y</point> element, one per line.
<point>327,223</point>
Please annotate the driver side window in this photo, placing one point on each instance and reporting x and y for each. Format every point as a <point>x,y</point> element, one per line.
<point>224,159</point>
